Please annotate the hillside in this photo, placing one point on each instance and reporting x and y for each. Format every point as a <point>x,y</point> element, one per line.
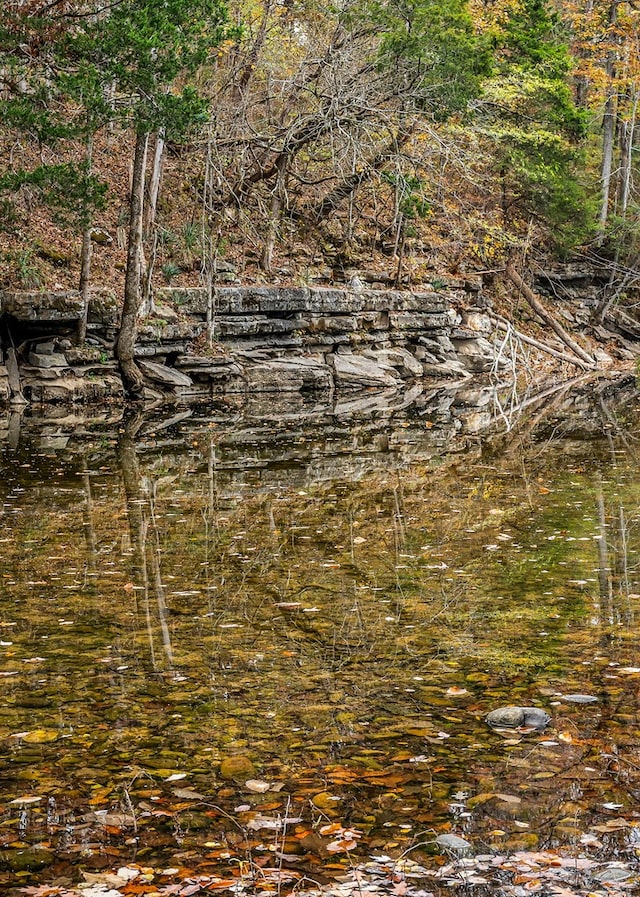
<point>302,146</point>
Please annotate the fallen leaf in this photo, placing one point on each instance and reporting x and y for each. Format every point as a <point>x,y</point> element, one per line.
<point>187,794</point>
<point>41,736</point>
<point>339,846</point>
<point>331,829</point>
<point>257,786</point>
<point>509,798</point>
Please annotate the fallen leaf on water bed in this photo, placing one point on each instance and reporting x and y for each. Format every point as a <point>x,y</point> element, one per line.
<point>25,801</point>
<point>128,873</point>
<point>100,891</point>
<point>330,829</point>
<point>257,786</point>
<point>103,879</point>
<point>41,736</point>
<point>340,846</point>
<point>116,820</point>
<point>615,872</point>
<point>613,825</point>
<point>579,699</point>
<point>479,799</point>
<point>187,794</point>
<point>271,823</point>
<point>325,801</point>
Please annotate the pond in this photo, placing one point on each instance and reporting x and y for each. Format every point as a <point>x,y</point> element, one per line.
<point>253,648</point>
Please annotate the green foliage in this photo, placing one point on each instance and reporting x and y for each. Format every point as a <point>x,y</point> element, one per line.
<point>529,117</point>
<point>145,48</point>
<point>170,270</point>
<point>25,268</point>
<point>532,35</point>
<point>623,232</point>
<point>412,200</point>
<point>431,50</point>
<point>69,189</point>
<point>57,74</point>
<point>191,236</point>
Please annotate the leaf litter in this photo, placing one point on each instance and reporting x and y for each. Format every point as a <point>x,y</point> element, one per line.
<point>312,677</point>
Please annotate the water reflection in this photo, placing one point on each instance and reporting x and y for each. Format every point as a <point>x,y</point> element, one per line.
<point>333,596</point>
<point>140,499</point>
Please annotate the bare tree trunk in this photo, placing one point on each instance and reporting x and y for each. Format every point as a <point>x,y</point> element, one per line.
<point>136,508</point>
<point>608,131</point>
<point>277,202</point>
<point>85,282</point>
<point>604,567</point>
<point>126,342</point>
<point>608,134</point>
<point>158,584</point>
<point>155,180</point>
<point>401,238</point>
<point>542,313</point>
<point>503,324</point>
<point>87,514</point>
<point>15,387</point>
<point>86,255</point>
<point>242,80</point>
<point>627,131</point>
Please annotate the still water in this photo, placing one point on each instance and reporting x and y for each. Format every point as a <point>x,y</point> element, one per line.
<point>276,631</point>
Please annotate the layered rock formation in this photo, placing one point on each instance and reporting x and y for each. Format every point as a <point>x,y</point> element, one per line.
<point>196,343</point>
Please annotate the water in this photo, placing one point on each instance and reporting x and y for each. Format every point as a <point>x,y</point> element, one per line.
<point>323,602</point>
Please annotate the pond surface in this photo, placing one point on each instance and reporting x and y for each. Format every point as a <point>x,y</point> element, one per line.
<point>267,639</point>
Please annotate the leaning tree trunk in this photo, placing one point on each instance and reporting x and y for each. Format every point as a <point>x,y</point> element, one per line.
<point>277,202</point>
<point>548,318</point>
<point>126,342</point>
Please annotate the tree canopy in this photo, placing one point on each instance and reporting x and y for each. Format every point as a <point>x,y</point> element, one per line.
<point>388,123</point>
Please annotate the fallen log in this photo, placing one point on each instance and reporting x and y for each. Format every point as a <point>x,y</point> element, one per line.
<point>547,317</point>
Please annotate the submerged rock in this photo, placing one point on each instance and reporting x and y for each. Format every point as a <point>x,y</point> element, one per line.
<point>238,767</point>
<point>518,717</point>
<point>29,860</point>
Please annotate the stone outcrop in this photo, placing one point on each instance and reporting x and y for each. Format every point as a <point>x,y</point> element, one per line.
<point>198,344</point>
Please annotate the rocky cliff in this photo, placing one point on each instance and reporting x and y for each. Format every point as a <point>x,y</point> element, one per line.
<point>196,344</point>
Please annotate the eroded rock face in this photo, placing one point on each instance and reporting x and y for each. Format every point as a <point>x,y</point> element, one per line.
<point>160,373</point>
<point>518,718</point>
<point>41,306</point>
<point>244,339</point>
<point>307,374</point>
<point>356,371</point>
